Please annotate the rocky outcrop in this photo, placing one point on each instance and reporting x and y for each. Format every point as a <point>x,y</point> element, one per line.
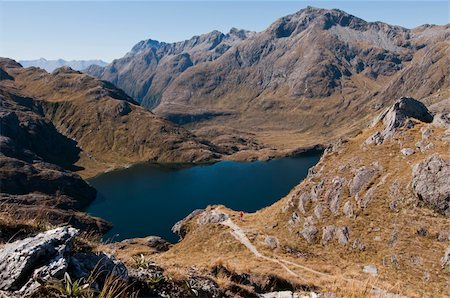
<point>180,227</point>
<point>396,117</point>
<point>212,217</point>
<point>310,234</point>
<point>430,183</point>
<point>445,261</point>
<point>28,263</point>
<point>362,177</point>
<point>23,263</point>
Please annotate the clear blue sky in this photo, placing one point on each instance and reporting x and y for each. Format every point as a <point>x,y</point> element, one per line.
<point>108,29</point>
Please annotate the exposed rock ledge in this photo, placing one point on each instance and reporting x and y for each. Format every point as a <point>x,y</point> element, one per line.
<point>26,264</point>
<point>397,116</point>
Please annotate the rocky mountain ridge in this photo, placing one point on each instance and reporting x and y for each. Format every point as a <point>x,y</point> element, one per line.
<point>315,61</point>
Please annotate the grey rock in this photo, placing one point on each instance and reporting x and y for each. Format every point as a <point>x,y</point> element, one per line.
<point>424,145</point>
<point>318,210</point>
<point>212,217</point>
<point>294,219</point>
<point>348,209</point>
<point>343,235</point>
<point>279,294</point>
<point>431,183</point>
<point>445,261</point>
<point>426,132</point>
<point>443,236</point>
<point>271,242</point>
<point>180,227</point>
<point>328,234</point>
<point>309,221</point>
<point>158,243</point>
<point>358,245</point>
<point>394,237</point>
<point>41,257</point>
<point>407,151</point>
<point>310,233</point>
<point>442,119</point>
<point>362,177</point>
<point>316,190</point>
<point>371,269</point>
<point>333,195</point>
<point>394,206</point>
<point>303,202</point>
<point>416,261</point>
<point>396,117</point>
<point>366,198</point>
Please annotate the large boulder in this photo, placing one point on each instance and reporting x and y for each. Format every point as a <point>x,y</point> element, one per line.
<point>363,177</point>
<point>396,117</point>
<point>431,183</point>
<point>24,262</point>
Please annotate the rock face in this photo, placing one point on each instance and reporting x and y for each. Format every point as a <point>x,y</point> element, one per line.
<point>431,184</point>
<point>395,117</point>
<point>40,257</point>
<point>26,263</point>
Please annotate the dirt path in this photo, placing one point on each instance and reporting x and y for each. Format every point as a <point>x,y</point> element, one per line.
<point>239,234</point>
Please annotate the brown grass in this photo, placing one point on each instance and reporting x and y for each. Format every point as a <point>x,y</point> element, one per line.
<point>209,246</point>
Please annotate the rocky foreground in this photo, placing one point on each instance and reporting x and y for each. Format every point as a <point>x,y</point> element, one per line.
<point>371,219</point>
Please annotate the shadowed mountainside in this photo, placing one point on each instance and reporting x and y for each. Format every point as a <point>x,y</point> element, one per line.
<point>109,129</point>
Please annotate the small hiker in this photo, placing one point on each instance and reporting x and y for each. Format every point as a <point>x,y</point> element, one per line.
<point>241,215</point>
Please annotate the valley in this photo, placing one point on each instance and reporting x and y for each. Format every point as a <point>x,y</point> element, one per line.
<point>329,132</point>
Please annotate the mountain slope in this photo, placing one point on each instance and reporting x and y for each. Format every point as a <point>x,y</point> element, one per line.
<point>301,79</point>
<point>51,65</point>
<point>108,127</point>
<point>37,185</point>
<point>369,218</point>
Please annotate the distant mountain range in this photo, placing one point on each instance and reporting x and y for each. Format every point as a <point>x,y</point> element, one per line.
<point>316,73</point>
<point>51,65</point>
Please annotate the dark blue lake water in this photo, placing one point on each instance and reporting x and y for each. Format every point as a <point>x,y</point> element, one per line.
<point>148,199</point>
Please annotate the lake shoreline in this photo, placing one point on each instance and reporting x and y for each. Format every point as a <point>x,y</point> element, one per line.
<point>147,198</point>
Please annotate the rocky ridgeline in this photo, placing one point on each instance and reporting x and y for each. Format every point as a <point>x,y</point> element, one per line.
<point>352,190</point>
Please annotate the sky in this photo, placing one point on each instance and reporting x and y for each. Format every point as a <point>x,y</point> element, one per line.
<point>108,29</point>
